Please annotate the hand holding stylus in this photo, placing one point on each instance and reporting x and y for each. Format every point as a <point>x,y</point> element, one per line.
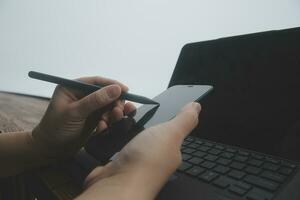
<point>70,119</point>
<point>71,116</point>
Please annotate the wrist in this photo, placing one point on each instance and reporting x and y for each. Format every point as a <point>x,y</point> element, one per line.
<point>31,155</point>
<point>145,182</point>
<point>40,145</point>
<point>125,183</point>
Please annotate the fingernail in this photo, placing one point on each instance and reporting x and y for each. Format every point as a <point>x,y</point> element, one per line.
<point>113,91</point>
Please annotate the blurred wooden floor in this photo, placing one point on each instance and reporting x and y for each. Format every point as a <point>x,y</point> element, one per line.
<point>18,113</point>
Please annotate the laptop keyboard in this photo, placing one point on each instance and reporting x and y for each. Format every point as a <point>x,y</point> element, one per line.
<point>247,174</point>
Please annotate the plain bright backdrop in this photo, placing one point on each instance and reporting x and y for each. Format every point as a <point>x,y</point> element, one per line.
<point>134,41</point>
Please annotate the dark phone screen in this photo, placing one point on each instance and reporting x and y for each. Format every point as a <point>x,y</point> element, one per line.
<point>103,146</point>
<point>171,101</point>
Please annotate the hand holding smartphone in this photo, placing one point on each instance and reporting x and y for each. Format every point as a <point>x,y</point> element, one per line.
<point>105,145</point>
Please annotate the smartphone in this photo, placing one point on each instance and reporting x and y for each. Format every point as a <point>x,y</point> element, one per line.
<point>103,146</point>
<point>171,101</point>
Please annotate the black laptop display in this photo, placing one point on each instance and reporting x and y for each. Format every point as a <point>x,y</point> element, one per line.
<point>247,143</point>
<point>256,98</point>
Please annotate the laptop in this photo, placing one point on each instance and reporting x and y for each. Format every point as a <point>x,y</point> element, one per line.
<point>247,143</point>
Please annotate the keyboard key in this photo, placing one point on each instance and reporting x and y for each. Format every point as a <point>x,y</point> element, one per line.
<point>193,145</point>
<point>287,164</point>
<point>185,143</point>
<point>204,148</point>
<point>261,182</point>
<point>271,166</point>
<point>208,144</point>
<point>208,164</point>
<point>190,139</point>
<point>199,142</point>
<point>227,155</point>
<point>219,147</point>
<point>215,151</point>
<point>195,171</point>
<point>243,185</point>
<point>237,165</point>
<point>196,160</point>
<point>237,190</point>
<point>231,150</point>
<point>184,166</point>
<point>223,161</point>
<point>236,174</point>
<point>272,160</point>
<point>221,169</point>
<point>222,182</point>
<point>285,171</point>
<point>257,156</point>
<point>188,150</point>
<point>211,157</point>
<point>199,154</point>
<point>255,162</point>
<point>240,158</point>
<point>253,170</point>
<point>208,176</point>
<point>243,153</point>
<point>258,194</point>
<point>273,176</point>
<point>186,156</point>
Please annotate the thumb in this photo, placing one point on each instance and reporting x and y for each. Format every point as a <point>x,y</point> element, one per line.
<point>98,99</point>
<point>185,121</point>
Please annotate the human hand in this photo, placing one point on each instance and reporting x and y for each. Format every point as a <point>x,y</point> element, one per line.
<point>71,117</point>
<point>142,167</point>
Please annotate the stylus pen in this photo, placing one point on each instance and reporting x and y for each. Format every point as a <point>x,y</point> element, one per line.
<point>87,88</point>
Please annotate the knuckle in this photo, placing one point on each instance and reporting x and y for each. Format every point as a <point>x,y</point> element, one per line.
<point>176,160</point>
<point>100,98</point>
<point>98,78</point>
<point>193,117</point>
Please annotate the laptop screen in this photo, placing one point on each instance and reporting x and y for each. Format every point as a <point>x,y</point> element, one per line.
<point>256,99</point>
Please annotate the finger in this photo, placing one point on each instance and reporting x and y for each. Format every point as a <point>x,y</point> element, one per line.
<point>116,115</point>
<point>129,109</point>
<point>120,104</point>
<point>108,116</point>
<point>94,80</point>
<point>102,125</point>
<point>186,120</point>
<point>98,80</point>
<point>105,117</point>
<point>97,100</point>
<point>118,111</point>
<point>112,116</point>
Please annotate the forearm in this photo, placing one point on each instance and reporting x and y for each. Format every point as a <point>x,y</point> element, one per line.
<point>137,184</point>
<point>18,153</point>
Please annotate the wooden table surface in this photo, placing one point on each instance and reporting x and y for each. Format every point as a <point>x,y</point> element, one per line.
<point>18,113</point>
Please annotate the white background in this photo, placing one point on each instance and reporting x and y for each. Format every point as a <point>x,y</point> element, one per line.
<point>134,41</point>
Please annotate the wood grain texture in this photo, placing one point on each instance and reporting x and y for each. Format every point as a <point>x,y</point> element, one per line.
<point>23,113</point>
<point>19,112</point>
